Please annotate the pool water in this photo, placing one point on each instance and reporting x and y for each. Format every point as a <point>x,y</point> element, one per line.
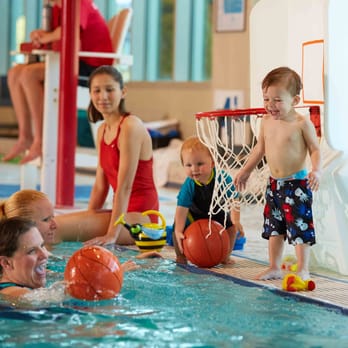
<point>163,305</point>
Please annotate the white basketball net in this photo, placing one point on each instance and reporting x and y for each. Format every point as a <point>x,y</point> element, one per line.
<point>230,140</point>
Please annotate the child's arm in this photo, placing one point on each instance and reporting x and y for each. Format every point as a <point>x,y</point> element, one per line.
<point>255,157</point>
<point>179,225</point>
<point>235,217</point>
<point>312,143</point>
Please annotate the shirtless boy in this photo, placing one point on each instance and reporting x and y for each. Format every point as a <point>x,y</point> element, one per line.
<point>285,139</point>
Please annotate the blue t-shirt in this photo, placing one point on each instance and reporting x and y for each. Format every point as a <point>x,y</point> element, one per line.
<point>197,197</point>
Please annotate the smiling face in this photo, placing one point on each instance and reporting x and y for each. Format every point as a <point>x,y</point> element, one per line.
<point>278,101</point>
<point>43,215</point>
<point>33,205</point>
<point>198,164</point>
<point>106,94</point>
<point>27,266</point>
<point>281,89</point>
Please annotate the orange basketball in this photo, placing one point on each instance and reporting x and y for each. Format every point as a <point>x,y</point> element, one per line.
<point>203,250</point>
<point>93,273</point>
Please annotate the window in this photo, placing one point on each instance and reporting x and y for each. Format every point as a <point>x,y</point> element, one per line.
<point>171,40</point>
<point>165,39</point>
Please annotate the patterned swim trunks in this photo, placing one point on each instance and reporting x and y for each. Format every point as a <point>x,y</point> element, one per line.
<point>288,211</point>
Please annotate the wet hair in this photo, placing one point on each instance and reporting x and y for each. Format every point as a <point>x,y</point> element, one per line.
<point>10,231</point>
<point>194,144</point>
<point>93,114</point>
<point>20,204</point>
<point>286,76</point>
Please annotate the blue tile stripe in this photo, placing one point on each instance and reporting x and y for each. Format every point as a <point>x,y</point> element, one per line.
<point>82,192</point>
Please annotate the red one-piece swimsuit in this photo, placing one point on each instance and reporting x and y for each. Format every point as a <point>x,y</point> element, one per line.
<point>144,194</point>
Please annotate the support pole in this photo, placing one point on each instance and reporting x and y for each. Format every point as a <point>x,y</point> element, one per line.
<point>67,103</point>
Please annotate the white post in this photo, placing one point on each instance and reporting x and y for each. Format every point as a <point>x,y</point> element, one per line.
<point>50,126</point>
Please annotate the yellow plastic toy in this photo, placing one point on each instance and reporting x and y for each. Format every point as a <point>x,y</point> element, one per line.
<point>148,236</point>
<point>289,263</point>
<point>293,282</point>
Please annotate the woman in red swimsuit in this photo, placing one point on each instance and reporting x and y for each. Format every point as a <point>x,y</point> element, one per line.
<point>125,163</point>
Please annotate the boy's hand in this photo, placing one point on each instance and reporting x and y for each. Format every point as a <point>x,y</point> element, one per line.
<point>239,228</point>
<point>313,180</point>
<point>179,238</point>
<point>240,180</point>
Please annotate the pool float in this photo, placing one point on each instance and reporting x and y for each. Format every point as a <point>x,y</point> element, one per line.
<point>148,236</point>
<point>293,282</point>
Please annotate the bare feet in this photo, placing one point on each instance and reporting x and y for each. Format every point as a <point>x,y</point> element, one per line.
<point>34,152</point>
<point>304,275</point>
<point>17,149</point>
<point>269,274</point>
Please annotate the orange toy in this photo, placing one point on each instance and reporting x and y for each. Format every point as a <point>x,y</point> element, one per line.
<point>293,282</point>
<point>93,273</point>
<point>205,246</point>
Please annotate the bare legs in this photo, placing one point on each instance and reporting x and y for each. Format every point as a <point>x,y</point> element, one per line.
<point>84,225</point>
<point>275,251</point>
<point>34,91</point>
<point>303,256</point>
<point>21,109</point>
<point>25,83</point>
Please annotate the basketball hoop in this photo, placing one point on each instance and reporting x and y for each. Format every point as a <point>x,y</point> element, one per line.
<point>230,135</point>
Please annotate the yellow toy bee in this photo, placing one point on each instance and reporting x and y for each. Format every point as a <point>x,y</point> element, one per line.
<point>148,236</point>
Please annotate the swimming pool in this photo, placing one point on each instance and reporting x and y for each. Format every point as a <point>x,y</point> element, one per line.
<point>163,305</point>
